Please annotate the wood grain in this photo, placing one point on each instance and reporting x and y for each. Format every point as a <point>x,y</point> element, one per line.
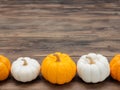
<point>36,28</point>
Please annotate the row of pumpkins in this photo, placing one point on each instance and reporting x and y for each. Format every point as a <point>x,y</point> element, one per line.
<point>59,68</point>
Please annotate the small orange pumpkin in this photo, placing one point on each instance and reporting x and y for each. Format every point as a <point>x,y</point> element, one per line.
<point>4,67</point>
<point>58,68</point>
<point>115,67</point>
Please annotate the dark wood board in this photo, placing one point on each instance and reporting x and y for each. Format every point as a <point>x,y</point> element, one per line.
<point>36,28</point>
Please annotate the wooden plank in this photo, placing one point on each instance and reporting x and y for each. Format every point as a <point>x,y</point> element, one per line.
<point>43,46</point>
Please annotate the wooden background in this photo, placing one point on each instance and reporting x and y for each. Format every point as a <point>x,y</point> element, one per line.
<point>36,28</point>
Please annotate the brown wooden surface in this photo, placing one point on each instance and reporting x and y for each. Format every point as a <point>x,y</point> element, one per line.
<point>36,28</point>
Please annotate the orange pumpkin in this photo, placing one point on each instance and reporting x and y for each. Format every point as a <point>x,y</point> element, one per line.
<point>58,68</point>
<point>115,67</point>
<point>4,67</point>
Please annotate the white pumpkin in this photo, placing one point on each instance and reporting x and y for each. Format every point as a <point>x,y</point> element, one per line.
<point>93,68</point>
<point>25,69</point>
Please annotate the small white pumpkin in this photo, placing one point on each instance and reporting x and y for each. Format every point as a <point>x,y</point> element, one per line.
<point>25,69</point>
<point>93,68</point>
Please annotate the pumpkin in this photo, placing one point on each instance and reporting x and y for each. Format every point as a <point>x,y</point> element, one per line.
<point>25,69</point>
<point>58,68</point>
<point>4,67</point>
<point>93,68</point>
<point>115,67</point>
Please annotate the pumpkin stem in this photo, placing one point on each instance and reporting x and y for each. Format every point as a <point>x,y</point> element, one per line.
<point>90,59</point>
<point>25,62</point>
<point>58,58</point>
